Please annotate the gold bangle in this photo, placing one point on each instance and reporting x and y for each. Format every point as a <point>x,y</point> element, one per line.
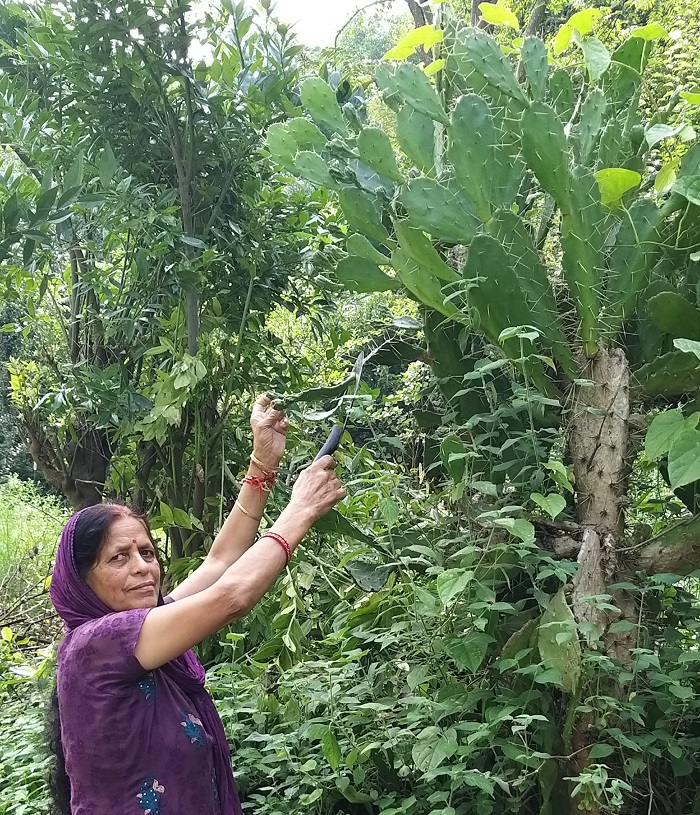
<point>261,466</point>
<point>245,512</point>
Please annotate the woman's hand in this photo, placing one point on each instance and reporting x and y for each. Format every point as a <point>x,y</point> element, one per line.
<point>317,490</point>
<point>269,432</point>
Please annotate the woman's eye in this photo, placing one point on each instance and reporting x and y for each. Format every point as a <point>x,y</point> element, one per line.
<point>148,554</point>
<point>119,558</point>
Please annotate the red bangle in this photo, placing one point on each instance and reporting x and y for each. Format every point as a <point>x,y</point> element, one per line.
<point>261,483</point>
<point>282,542</point>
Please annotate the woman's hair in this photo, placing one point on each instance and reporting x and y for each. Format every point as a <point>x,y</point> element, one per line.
<point>91,529</point>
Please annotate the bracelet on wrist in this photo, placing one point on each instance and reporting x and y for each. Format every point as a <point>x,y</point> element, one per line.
<point>261,483</point>
<point>282,542</point>
<point>245,512</point>
<point>262,467</point>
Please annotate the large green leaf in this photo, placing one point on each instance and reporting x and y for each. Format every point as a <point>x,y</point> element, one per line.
<point>558,642</point>
<point>662,432</point>
<point>470,650</point>
<point>684,459</point>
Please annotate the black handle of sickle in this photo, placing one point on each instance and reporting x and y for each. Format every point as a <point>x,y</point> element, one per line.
<point>332,442</point>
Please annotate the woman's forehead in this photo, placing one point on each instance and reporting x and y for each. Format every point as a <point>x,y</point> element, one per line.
<point>127,527</point>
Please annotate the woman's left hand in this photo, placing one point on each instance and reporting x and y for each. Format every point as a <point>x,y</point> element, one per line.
<point>269,432</point>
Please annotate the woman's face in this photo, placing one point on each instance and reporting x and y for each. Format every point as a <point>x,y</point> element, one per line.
<point>126,573</point>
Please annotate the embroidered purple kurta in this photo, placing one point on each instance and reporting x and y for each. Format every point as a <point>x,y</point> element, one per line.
<point>135,742</point>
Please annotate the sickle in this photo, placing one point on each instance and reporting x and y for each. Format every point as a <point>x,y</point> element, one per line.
<point>333,441</point>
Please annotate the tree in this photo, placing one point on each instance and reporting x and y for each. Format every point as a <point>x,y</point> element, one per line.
<point>542,362</point>
<point>145,235</point>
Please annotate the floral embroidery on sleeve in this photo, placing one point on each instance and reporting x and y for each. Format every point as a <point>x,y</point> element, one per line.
<point>193,728</point>
<point>147,686</point>
<point>149,797</point>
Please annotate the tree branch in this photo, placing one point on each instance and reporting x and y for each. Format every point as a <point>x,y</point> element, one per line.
<point>356,14</point>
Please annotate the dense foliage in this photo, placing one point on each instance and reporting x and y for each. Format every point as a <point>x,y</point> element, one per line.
<point>502,617</point>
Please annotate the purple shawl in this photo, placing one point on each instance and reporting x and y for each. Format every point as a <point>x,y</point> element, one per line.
<point>77,604</point>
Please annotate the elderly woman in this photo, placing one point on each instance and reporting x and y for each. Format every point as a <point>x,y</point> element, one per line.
<point>137,733</point>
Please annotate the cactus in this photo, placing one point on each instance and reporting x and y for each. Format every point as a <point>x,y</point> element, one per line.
<point>363,214</point>
<point>282,145</point>
<point>544,148</point>
<point>562,95</point>
<point>674,315</point>
<point>591,123</point>
<point>417,90</point>
<point>416,136</point>
<point>361,275</point>
<point>306,135</point>
<point>318,98</point>
<point>440,209</point>
<point>612,144</point>
<point>314,169</point>
<point>510,232</point>
<point>485,168</point>
<point>536,66</point>
<point>489,62</point>
<point>424,286</point>
<point>415,244</point>
<point>635,252</point>
<point>672,374</point>
<point>378,154</point>
<point>360,246</point>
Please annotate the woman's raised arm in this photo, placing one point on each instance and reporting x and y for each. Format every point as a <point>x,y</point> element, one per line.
<point>168,631</point>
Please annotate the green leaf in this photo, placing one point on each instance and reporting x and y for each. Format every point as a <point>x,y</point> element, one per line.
<point>517,527</point>
<point>470,650</point>
<point>377,153</point>
<point>564,657</point>
<point>74,176</point>
<point>426,36</point>
<point>552,504</point>
<point>689,187</point>
<point>6,634</point>
<point>415,133</point>
<point>320,101</point>
<point>370,577</point>
<point>614,182</point>
<point>452,583</point>
<point>681,691</point>
<point>597,56</point>
<point>582,21</point>
<point>331,749</point>
<point>454,457</point>
<point>601,751</point>
<point>684,459</point>
<point>306,135</point>
<point>651,31</point>
<point>361,275</point>
<point>536,65</point>
<point>659,132</point>
<point>430,751</point>
<point>422,285</point>
<point>691,97</point>
<point>663,432</point>
<point>498,15</point>
<point>108,166</point>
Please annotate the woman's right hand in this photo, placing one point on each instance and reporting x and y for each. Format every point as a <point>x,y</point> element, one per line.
<point>317,489</point>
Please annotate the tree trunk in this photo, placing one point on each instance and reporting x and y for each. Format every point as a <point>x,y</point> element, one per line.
<point>599,444</point>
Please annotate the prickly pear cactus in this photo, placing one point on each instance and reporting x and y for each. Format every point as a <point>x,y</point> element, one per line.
<point>516,151</point>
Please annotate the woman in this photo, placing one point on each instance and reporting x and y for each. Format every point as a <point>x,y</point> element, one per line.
<point>137,730</point>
